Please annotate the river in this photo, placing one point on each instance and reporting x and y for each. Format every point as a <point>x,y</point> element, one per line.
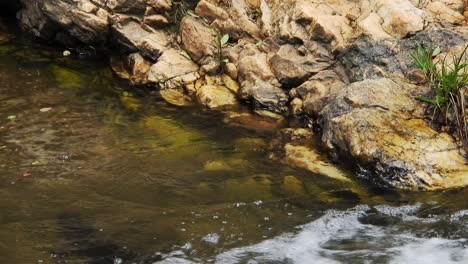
<point>95,171</point>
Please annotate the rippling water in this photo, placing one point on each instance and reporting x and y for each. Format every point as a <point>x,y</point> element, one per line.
<point>92,171</point>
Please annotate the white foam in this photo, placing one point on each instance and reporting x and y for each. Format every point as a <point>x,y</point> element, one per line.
<point>312,243</point>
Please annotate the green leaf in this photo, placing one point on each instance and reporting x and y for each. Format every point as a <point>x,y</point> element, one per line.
<point>36,163</point>
<point>126,94</point>
<point>224,39</point>
<point>436,51</point>
<point>11,117</point>
<point>191,13</point>
<point>185,55</point>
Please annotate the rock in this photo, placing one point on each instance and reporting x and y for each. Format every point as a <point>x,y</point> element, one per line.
<point>209,10</point>
<point>264,95</point>
<point>378,124</point>
<point>176,96</point>
<point>444,14</point>
<point>323,24</point>
<point>254,66</point>
<point>251,122</point>
<point>292,67</point>
<point>216,165</point>
<point>4,35</point>
<point>80,19</point>
<point>239,13</point>
<point>315,92</point>
<point>295,107</point>
<point>67,78</point>
<point>401,18</point>
<point>231,70</point>
<point>133,68</point>
<point>370,59</point>
<point>150,43</point>
<point>156,21</point>
<point>294,147</point>
<point>293,186</point>
<point>172,65</point>
<point>250,144</point>
<point>215,96</point>
<point>197,39</point>
<point>372,27</point>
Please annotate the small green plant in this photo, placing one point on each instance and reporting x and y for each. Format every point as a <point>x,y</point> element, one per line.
<point>221,41</point>
<point>449,80</point>
<point>180,9</point>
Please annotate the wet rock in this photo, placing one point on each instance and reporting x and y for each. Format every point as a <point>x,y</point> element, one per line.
<point>216,165</point>
<point>215,96</point>
<point>295,148</point>
<point>66,77</point>
<point>176,96</point>
<point>251,121</point>
<point>133,68</point>
<point>293,186</point>
<point>264,95</point>
<point>378,123</point>
<point>295,107</point>
<point>250,144</point>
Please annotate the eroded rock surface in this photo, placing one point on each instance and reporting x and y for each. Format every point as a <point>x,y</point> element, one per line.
<point>379,124</point>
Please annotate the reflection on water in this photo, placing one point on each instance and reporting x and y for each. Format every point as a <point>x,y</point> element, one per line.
<point>94,172</point>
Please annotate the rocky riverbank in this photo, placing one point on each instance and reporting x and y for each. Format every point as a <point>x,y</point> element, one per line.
<point>343,65</point>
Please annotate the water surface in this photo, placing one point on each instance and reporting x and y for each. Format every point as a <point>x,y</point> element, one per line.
<point>93,171</point>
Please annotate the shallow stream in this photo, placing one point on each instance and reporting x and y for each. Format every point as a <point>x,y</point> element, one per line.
<point>93,171</point>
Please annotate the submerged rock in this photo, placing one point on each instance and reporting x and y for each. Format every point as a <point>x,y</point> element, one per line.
<point>215,96</point>
<point>295,148</point>
<point>379,124</point>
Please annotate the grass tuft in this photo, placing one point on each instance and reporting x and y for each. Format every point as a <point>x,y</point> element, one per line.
<point>449,80</point>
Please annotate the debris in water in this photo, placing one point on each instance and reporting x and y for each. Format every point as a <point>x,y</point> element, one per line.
<point>45,109</point>
<point>27,174</point>
<point>259,202</point>
<point>11,117</point>
<point>212,238</point>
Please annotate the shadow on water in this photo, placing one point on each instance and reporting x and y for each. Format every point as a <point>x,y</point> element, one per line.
<point>83,240</point>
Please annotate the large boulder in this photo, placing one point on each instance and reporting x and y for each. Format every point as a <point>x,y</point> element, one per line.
<point>379,124</point>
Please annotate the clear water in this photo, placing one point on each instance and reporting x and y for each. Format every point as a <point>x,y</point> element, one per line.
<point>93,171</point>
